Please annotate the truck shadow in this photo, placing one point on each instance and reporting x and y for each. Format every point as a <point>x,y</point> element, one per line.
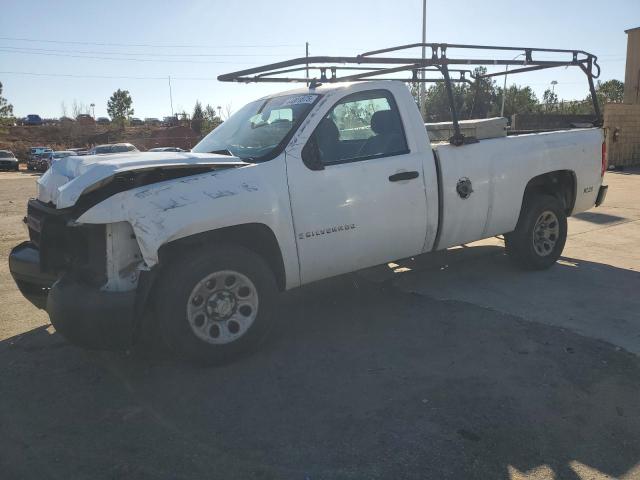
<point>599,218</point>
<point>594,299</point>
<point>361,380</point>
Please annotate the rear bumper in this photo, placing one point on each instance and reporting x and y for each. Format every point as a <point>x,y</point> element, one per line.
<point>84,314</point>
<point>602,194</point>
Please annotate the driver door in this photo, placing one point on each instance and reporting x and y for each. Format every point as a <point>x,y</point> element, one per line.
<point>357,192</point>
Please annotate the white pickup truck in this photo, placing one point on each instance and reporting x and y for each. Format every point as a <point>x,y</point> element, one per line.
<point>293,188</point>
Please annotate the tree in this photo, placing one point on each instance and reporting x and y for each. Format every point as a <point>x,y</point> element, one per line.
<point>197,119</point>
<point>437,101</point>
<point>209,112</point>
<point>6,109</point>
<point>610,91</point>
<point>119,106</point>
<point>471,101</point>
<point>227,111</point>
<point>480,97</point>
<point>550,99</point>
<point>78,108</point>
<point>517,100</point>
<point>211,119</point>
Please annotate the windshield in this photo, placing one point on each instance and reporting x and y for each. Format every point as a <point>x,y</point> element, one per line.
<point>257,130</point>
<point>6,154</point>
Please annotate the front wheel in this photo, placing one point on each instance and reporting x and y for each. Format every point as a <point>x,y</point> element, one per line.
<point>539,238</point>
<point>216,303</point>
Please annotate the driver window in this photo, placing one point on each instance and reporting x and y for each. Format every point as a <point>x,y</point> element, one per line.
<point>361,126</point>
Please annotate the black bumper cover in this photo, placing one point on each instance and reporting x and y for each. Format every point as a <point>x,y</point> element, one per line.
<point>24,265</point>
<point>85,315</point>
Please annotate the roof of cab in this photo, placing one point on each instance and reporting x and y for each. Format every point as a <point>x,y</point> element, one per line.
<point>326,87</point>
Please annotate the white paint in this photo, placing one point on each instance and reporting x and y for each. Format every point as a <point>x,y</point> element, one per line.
<point>69,177</point>
<point>340,219</point>
<point>387,220</point>
<point>500,169</point>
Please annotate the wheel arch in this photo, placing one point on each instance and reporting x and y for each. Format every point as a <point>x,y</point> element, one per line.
<point>561,184</point>
<point>256,237</point>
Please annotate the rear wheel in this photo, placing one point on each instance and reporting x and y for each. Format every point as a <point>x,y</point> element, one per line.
<point>215,304</point>
<point>541,233</point>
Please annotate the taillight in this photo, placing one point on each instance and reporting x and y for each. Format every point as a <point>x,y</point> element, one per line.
<point>604,159</point>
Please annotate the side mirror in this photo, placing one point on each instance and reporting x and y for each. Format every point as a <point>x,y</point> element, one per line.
<point>311,155</point>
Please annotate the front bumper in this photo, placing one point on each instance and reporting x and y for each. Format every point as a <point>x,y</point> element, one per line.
<point>83,314</point>
<point>24,265</point>
<point>602,194</point>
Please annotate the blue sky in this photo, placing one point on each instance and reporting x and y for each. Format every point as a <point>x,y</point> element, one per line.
<point>248,33</point>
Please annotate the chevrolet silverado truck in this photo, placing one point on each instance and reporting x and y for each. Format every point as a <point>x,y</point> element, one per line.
<point>295,187</point>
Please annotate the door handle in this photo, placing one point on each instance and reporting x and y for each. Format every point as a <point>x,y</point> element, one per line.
<point>397,177</point>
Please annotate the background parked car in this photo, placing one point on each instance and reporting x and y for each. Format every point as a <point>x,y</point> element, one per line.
<point>8,160</point>
<point>66,120</point>
<point>113,148</point>
<point>103,121</point>
<point>170,121</point>
<point>166,149</point>
<point>32,119</point>
<point>136,122</point>
<point>35,160</point>
<point>152,121</point>
<point>84,119</point>
<point>79,151</point>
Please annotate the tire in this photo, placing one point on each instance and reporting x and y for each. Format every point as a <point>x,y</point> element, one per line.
<point>216,303</point>
<point>540,235</point>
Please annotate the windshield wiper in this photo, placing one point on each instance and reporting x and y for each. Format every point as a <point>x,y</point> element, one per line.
<point>224,151</point>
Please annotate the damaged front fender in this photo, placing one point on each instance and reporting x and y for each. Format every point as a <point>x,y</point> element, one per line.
<point>167,211</point>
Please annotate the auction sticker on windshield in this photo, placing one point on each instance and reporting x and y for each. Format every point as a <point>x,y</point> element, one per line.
<point>299,100</point>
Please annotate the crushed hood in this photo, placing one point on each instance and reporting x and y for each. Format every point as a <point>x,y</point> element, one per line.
<point>66,180</point>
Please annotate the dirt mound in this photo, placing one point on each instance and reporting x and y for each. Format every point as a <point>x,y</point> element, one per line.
<point>182,137</point>
<point>60,137</point>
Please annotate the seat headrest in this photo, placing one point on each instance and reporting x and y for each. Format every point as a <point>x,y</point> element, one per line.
<point>384,122</point>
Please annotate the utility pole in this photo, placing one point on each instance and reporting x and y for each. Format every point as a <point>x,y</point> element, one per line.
<point>504,90</point>
<point>170,95</point>
<point>421,95</point>
<point>307,57</point>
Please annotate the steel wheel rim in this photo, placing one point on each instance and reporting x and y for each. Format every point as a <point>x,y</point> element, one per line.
<point>222,307</point>
<point>546,232</point>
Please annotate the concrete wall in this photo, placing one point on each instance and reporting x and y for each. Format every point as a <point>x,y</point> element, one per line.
<point>622,127</point>
<point>632,72</point>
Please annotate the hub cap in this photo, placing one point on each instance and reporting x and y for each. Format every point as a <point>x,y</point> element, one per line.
<point>222,306</point>
<point>545,233</point>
